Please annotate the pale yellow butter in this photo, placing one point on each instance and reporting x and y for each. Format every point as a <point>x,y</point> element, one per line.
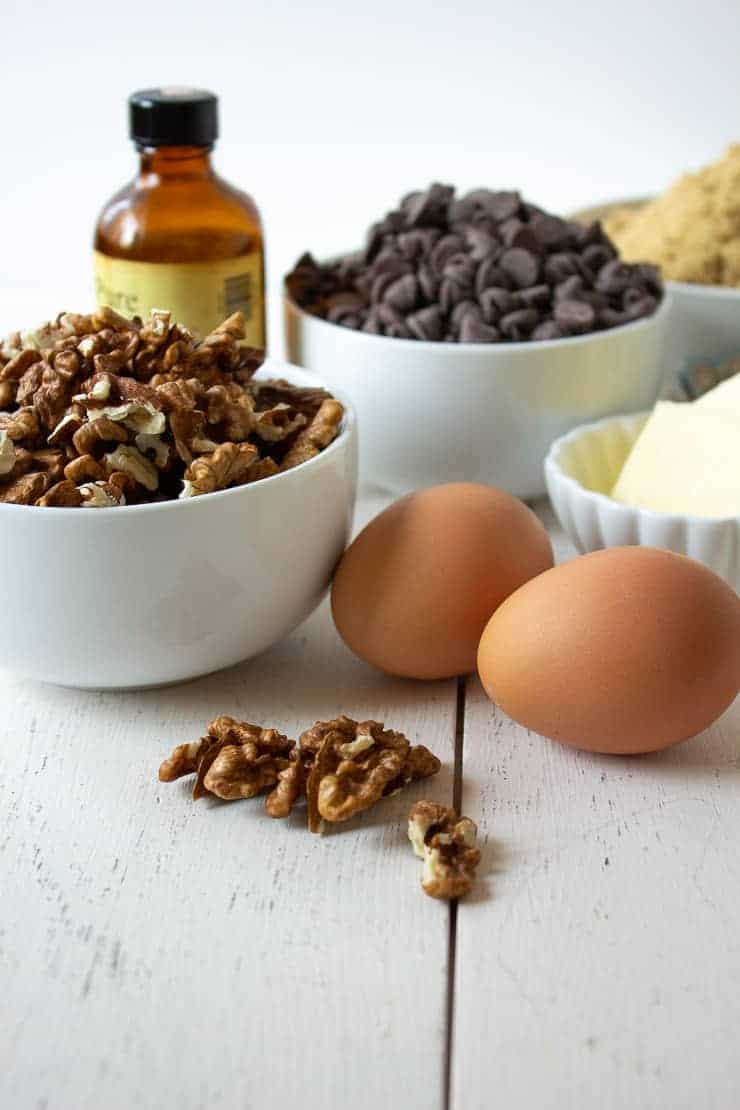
<point>685,461</point>
<point>724,397</point>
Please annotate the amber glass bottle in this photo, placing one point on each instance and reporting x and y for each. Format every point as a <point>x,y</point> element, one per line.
<point>178,237</point>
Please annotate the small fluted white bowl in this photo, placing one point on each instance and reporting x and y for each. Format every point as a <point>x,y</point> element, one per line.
<point>147,595</point>
<point>581,469</point>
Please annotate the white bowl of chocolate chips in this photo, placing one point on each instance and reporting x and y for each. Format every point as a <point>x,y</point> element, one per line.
<point>471,332</point>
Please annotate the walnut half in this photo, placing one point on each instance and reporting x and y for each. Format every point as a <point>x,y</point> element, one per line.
<point>352,765</point>
<point>446,843</point>
<point>239,760</point>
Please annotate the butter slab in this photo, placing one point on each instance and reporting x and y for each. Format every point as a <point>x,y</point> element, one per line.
<point>725,396</point>
<point>685,461</point>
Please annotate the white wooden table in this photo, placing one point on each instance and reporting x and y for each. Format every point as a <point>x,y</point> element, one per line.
<point>156,953</point>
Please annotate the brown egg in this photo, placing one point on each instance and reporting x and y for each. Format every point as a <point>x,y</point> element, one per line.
<point>622,651</point>
<point>413,593</point>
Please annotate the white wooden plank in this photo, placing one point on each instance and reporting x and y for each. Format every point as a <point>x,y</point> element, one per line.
<point>156,953</point>
<point>600,964</point>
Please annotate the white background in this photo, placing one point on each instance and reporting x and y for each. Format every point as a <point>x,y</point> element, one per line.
<point>331,110</point>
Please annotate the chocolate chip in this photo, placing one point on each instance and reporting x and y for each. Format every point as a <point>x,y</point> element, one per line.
<point>561,265</point>
<point>402,294</point>
<point>427,323</point>
<point>611,317</point>
<point>551,231</point>
<point>460,211</point>
<point>450,294</point>
<point>597,255</point>
<point>593,297</point>
<point>643,306</point>
<point>413,244</point>
<point>475,331</point>
<point>382,282</point>
<point>502,299</point>
<point>522,266</point>
<point>428,283</point>
<point>548,329</point>
<point>372,325</point>
<point>614,277</point>
<point>584,234</point>
<point>569,289</point>
<point>519,325</point>
<point>574,317</point>
<point>633,294</point>
<point>341,305</point>
<point>650,275</point>
<point>463,309</point>
<point>461,269</point>
<point>502,205</point>
<point>390,261</point>
<point>489,306</point>
<point>428,208</point>
<point>517,234</point>
<point>444,249</point>
<point>480,243</point>
<point>393,321</point>
<point>536,296</point>
<point>490,273</point>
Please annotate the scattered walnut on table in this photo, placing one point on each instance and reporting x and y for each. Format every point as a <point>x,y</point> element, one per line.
<point>341,766</point>
<point>240,760</point>
<point>446,844</point>
<point>352,765</point>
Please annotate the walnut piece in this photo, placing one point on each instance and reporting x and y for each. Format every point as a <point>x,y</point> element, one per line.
<point>352,765</point>
<point>226,466</point>
<point>89,436</point>
<point>64,494</point>
<point>138,416</point>
<point>240,760</point>
<point>24,490</point>
<point>7,454</point>
<point>101,495</point>
<point>130,461</point>
<point>319,434</point>
<point>446,844</point>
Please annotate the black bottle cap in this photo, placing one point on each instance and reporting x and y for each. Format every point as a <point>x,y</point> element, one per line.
<point>173,116</point>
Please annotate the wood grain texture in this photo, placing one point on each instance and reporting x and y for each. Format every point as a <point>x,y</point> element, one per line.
<point>599,964</point>
<point>155,952</point>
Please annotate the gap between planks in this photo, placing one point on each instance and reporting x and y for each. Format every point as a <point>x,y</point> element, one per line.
<point>452,937</point>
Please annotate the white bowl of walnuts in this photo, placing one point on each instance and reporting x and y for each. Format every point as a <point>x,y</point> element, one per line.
<point>168,506</point>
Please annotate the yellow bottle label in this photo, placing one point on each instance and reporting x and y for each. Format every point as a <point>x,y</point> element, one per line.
<point>197,294</point>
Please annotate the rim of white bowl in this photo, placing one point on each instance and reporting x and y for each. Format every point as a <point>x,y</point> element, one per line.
<point>349,421</point>
<point>490,348</point>
<point>716,292</point>
<point>553,462</point>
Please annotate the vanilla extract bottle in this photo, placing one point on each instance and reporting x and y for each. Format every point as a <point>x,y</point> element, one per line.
<point>179,237</point>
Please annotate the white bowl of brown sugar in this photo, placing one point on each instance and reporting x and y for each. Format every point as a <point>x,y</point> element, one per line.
<point>692,231</point>
<point>471,332</point>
